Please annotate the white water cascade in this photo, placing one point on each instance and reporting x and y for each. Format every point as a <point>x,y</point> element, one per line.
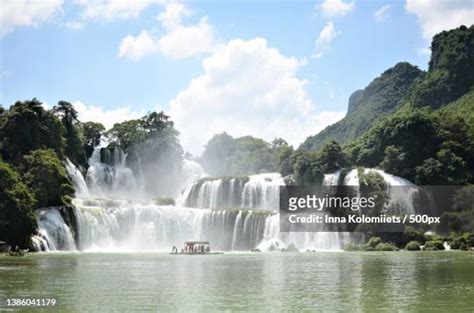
<point>78,180</point>
<point>54,233</point>
<point>401,192</point>
<point>112,179</point>
<point>260,191</point>
<point>233,213</point>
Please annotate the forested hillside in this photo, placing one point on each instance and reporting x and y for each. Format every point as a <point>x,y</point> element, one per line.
<point>450,76</point>
<point>381,97</point>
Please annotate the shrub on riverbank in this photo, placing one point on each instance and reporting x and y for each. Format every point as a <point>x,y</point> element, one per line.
<point>461,243</point>
<point>373,242</point>
<point>386,246</point>
<point>413,246</point>
<point>433,245</point>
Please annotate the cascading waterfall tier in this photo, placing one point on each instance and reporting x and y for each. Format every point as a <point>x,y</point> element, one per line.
<point>252,192</point>
<point>108,176</point>
<point>119,225</point>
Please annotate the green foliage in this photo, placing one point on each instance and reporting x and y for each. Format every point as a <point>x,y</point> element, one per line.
<point>331,157</point>
<point>164,201</point>
<point>433,245</point>
<point>461,242</point>
<point>462,108</point>
<point>353,247</point>
<point>413,246</point>
<point>282,152</point>
<point>307,168</point>
<point>251,156</point>
<point>216,156</point>
<point>127,133</point>
<point>374,242</point>
<point>463,200</point>
<point>132,132</point>
<point>382,96</point>
<point>412,234</point>
<point>46,177</point>
<point>451,69</point>
<point>385,246</point>
<point>66,112</point>
<point>227,156</point>
<point>91,134</point>
<point>17,219</point>
<point>458,222</point>
<point>25,127</point>
<point>152,141</point>
<point>424,147</point>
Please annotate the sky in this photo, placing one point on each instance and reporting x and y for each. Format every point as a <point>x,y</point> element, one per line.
<point>262,68</point>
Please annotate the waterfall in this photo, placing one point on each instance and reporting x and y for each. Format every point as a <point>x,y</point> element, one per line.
<point>260,191</point>
<point>119,225</point>
<point>402,200</point>
<point>54,233</point>
<point>112,178</point>
<point>77,179</point>
<point>332,179</point>
<point>124,226</point>
<point>232,213</point>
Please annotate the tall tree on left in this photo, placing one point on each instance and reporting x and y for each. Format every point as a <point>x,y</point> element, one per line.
<point>27,126</point>
<point>17,218</point>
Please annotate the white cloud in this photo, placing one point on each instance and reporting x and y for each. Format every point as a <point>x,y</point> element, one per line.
<point>177,41</point>
<point>136,47</point>
<point>247,88</point>
<point>113,9</point>
<point>336,8</point>
<point>173,14</point>
<point>74,25</point>
<point>186,41</point>
<point>107,117</point>
<point>382,14</point>
<point>438,15</point>
<point>26,13</point>
<point>323,42</point>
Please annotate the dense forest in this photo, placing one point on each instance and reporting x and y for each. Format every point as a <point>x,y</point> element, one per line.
<point>414,124</point>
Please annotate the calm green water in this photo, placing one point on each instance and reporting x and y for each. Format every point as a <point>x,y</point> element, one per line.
<point>343,282</point>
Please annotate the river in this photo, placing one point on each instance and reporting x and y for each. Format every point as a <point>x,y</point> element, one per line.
<point>328,281</point>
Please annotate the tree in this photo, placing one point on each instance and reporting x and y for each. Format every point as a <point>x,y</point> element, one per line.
<point>91,134</point>
<point>218,150</point>
<point>307,168</point>
<point>282,153</point>
<point>66,112</point>
<point>126,134</point>
<point>451,69</point>
<point>332,157</point>
<point>422,146</point>
<point>227,156</point>
<point>27,127</point>
<point>446,169</point>
<point>17,218</point>
<point>151,142</point>
<point>45,175</point>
